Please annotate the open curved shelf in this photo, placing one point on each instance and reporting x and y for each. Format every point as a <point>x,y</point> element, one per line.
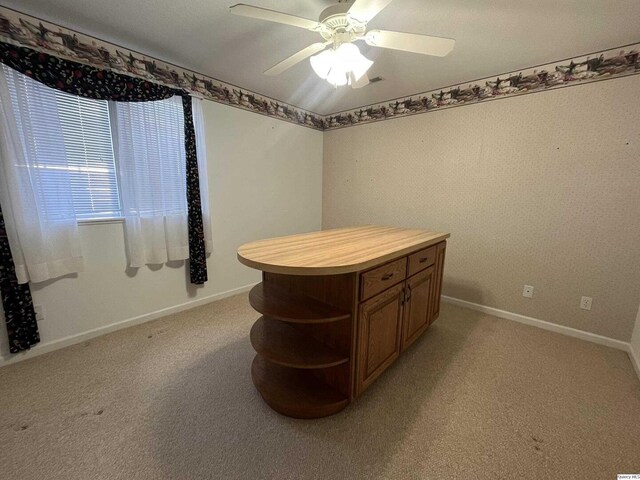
<point>294,392</point>
<point>281,343</point>
<point>291,307</point>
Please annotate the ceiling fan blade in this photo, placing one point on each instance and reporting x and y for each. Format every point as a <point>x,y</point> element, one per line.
<point>410,42</point>
<point>273,16</point>
<point>365,10</point>
<point>363,81</point>
<point>296,58</point>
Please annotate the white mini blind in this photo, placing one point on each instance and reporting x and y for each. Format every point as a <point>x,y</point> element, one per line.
<point>149,139</point>
<point>82,162</point>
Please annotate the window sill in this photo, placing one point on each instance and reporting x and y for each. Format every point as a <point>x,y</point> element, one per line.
<point>99,221</point>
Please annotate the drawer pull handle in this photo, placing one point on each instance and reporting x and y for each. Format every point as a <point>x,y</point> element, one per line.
<point>424,259</point>
<point>387,276</point>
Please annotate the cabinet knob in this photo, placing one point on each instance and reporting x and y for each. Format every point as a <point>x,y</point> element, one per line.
<point>409,295</point>
<point>387,276</point>
<point>424,259</point>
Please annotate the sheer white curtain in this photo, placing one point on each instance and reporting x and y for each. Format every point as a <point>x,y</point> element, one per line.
<point>35,184</point>
<point>149,147</point>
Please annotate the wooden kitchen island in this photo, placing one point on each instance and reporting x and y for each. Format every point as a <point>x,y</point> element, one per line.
<point>338,307</point>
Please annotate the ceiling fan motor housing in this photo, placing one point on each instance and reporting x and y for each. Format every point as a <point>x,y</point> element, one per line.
<point>338,25</point>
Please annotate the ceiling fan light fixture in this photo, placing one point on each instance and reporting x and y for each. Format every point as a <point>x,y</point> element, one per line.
<point>342,65</point>
<point>340,25</point>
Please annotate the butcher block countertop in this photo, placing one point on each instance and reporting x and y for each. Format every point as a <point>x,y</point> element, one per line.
<point>332,252</point>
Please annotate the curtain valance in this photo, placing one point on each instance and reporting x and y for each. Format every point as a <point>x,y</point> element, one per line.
<point>83,80</point>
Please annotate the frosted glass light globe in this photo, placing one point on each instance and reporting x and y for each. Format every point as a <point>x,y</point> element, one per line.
<point>352,60</point>
<point>322,62</point>
<point>337,76</point>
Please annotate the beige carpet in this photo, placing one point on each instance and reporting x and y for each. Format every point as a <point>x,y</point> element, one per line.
<point>476,398</point>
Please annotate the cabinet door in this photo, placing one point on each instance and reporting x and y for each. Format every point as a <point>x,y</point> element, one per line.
<point>417,307</point>
<point>437,281</point>
<point>380,327</point>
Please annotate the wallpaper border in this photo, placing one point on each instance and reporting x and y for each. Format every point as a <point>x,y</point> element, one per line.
<point>24,30</point>
<point>602,65</point>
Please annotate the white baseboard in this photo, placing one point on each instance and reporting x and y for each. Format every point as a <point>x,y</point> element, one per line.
<point>635,359</point>
<point>47,347</point>
<point>553,327</point>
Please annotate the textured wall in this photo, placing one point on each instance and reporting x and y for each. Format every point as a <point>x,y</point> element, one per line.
<point>541,190</point>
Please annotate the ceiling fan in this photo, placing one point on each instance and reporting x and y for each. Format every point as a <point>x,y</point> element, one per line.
<point>340,25</point>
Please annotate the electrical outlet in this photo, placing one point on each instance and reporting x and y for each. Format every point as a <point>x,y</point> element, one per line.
<point>39,312</point>
<point>527,291</point>
<point>585,303</point>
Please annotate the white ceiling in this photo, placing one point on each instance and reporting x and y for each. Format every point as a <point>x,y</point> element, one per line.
<point>492,37</point>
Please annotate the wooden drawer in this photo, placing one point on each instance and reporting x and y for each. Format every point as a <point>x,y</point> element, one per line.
<point>380,278</point>
<point>422,259</point>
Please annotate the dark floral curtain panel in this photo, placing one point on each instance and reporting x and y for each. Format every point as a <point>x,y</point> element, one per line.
<point>90,82</point>
<point>197,252</point>
<point>20,316</point>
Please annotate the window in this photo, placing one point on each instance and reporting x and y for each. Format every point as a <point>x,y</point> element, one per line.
<point>65,159</point>
<point>74,142</point>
